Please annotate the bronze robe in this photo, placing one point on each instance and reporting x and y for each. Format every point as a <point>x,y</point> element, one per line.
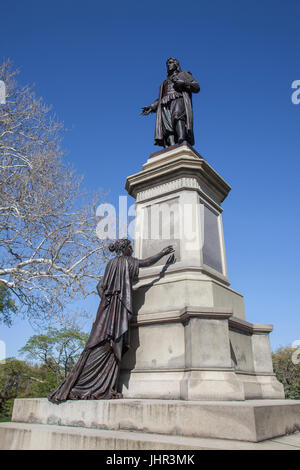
<point>95,374</point>
<point>191,87</point>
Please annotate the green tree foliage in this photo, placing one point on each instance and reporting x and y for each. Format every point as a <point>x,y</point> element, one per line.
<point>7,305</point>
<point>17,379</point>
<point>287,372</point>
<point>51,357</point>
<point>57,351</point>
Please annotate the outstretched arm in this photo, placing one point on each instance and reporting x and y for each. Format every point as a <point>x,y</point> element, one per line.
<point>143,263</point>
<point>150,109</point>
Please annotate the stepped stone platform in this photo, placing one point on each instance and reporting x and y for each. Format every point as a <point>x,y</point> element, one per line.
<point>24,436</point>
<point>152,424</point>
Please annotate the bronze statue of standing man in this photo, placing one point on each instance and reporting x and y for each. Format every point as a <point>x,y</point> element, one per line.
<point>174,110</point>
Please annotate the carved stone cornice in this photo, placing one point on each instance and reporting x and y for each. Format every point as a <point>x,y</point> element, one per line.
<point>167,187</point>
<point>176,170</point>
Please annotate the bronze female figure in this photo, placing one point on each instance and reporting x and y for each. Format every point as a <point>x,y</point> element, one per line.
<point>95,374</point>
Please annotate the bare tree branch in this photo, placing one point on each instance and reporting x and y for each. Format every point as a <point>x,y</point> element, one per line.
<point>49,251</point>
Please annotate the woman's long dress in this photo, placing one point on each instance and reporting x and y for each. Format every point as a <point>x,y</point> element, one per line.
<point>95,374</point>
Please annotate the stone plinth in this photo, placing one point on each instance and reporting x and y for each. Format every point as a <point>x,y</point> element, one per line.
<point>252,420</point>
<point>190,339</point>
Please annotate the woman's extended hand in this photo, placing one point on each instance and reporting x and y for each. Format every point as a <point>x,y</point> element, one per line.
<point>169,249</point>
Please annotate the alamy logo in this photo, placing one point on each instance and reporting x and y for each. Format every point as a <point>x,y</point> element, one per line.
<point>296,353</point>
<point>2,92</point>
<point>296,95</point>
<point>162,221</point>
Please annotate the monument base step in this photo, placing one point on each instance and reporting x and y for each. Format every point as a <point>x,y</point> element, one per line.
<point>24,436</point>
<point>249,420</point>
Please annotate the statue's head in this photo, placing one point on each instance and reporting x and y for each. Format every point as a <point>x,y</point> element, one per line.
<point>121,246</point>
<point>173,65</point>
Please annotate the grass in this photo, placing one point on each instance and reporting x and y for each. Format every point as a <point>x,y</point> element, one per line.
<point>4,419</point>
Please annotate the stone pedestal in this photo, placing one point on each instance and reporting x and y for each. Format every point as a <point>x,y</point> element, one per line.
<point>189,336</point>
<point>252,421</point>
<point>195,362</point>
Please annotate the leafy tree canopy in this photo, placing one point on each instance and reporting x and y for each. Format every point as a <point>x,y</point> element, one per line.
<point>288,371</point>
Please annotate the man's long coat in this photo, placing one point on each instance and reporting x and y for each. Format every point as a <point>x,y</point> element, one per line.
<point>191,86</point>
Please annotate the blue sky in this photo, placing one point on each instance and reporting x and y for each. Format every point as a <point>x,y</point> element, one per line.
<point>99,62</point>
